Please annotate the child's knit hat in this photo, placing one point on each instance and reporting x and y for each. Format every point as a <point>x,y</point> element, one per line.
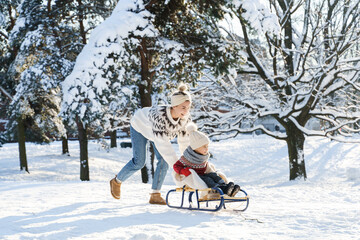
<point>180,96</point>
<point>197,139</point>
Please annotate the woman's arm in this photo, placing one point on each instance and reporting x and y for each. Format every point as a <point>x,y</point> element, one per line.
<point>183,137</point>
<point>166,150</point>
<point>183,142</point>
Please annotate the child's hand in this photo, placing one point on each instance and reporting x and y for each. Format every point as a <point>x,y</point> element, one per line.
<point>185,171</point>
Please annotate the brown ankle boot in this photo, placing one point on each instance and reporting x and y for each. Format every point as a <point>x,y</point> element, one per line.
<point>155,198</point>
<point>115,188</point>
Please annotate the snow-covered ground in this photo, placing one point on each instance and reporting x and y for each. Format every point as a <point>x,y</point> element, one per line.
<point>52,203</point>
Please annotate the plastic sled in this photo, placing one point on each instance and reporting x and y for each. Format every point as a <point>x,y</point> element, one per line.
<point>215,200</point>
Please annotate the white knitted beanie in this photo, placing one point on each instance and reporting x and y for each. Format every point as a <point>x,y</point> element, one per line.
<point>180,96</point>
<point>197,139</point>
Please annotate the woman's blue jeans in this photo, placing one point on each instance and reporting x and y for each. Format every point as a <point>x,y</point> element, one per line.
<point>139,143</point>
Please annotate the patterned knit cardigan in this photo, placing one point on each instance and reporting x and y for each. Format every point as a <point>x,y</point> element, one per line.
<point>163,126</point>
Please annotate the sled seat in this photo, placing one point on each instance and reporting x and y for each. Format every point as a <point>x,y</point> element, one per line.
<point>214,195</point>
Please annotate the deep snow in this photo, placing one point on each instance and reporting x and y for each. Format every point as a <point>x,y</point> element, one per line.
<point>52,203</point>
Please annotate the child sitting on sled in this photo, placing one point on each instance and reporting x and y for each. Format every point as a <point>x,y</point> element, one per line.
<point>196,157</point>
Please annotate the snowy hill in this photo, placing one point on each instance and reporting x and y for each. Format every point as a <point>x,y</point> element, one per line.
<point>52,203</point>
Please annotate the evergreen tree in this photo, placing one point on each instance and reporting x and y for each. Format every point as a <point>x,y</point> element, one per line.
<point>29,17</point>
<point>8,15</point>
<point>46,42</point>
<point>127,64</point>
<point>36,70</point>
<point>82,16</point>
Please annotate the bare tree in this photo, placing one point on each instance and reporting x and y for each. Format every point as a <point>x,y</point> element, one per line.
<point>309,70</point>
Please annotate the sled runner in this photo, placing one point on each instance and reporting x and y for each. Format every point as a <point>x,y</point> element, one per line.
<point>215,200</point>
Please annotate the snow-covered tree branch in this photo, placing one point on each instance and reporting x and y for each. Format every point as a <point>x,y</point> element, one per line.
<point>302,68</point>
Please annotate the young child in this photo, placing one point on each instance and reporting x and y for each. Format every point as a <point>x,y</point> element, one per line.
<point>196,157</point>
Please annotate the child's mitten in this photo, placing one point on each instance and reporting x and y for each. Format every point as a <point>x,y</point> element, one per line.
<point>185,171</point>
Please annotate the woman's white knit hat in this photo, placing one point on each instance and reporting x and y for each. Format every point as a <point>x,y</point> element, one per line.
<point>180,96</point>
<point>197,139</point>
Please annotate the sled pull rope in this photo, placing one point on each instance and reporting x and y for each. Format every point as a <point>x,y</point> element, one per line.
<point>250,219</point>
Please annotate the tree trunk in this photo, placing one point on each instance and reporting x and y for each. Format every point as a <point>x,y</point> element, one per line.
<point>113,139</point>
<point>22,146</point>
<point>295,140</point>
<point>81,21</point>
<point>145,93</point>
<point>145,99</point>
<point>152,157</point>
<point>288,31</point>
<point>295,143</point>
<point>65,146</point>
<point>144,175</point>
<point>84,161</point>
<point>144,103</point>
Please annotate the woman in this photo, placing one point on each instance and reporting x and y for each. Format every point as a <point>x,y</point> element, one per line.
<point>159,125</point>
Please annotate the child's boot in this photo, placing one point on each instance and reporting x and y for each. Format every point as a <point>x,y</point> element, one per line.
<point>227,189</point>
<point>235,191</point>
<point>230,188</point>
<point>155,198</point>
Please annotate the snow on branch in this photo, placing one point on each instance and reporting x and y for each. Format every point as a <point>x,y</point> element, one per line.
<point>259,16</point>
<point>329,132</point>
<point>84,87</point>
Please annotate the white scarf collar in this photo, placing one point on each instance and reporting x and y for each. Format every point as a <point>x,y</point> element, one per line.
<point>168,113</point>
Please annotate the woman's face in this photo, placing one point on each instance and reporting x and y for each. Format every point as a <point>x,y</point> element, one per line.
<point>204,149</point>
<point>181,110</point>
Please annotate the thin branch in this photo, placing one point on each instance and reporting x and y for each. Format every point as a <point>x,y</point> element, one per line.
<point>4,35</point>
<point>6,93</point>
